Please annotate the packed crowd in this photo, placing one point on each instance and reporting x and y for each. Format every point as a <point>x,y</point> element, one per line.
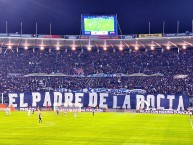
<point>14,65</point>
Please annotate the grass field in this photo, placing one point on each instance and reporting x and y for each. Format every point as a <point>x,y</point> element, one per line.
<point>101,129</point>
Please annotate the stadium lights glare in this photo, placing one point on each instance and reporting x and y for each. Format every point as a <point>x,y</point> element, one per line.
<point>26,47</point>
<point>168,47</point>
<point>152,48</point>
<point>89,48</point>
<point>73,48</point>
<point>57,48</point>
<point>184,46</point>
<point>104,48</point>
<point>41,48</point>
<point>9,47</point>
<point>136,48</point>
<point>120,48</point>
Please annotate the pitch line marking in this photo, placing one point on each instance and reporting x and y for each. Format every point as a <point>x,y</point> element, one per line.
<point>191,123</point>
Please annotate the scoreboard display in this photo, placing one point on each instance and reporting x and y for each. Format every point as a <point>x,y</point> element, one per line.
<point>99,25</point>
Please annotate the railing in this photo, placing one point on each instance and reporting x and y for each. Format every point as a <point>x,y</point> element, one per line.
<point>129,36</point>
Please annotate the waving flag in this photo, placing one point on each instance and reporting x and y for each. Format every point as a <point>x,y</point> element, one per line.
<point>79,70</point>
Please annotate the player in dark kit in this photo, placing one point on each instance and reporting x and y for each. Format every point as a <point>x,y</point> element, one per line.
<point>190,113</point>
<point>92,112</point>
<point>33,111</point>
<point>40,117</point>
<point>57,111</point>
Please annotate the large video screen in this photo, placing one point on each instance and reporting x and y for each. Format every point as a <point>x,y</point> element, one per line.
<point>99,25</point>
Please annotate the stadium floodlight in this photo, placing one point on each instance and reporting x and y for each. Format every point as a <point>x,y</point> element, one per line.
<point>89,48</point>
<point>26,47</point>
<point>42,48</point>
<point>73,48</point>
<point>152,48</point>
<point>104,48</point>
<point>120,48</point>
<point>168,47</point>
<point>184,46</point>
<point>136,48</point>
<point>57,48</point>
<point>9,47</point>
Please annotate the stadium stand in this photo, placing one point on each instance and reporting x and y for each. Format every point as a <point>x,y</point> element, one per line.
<point>175,67</point>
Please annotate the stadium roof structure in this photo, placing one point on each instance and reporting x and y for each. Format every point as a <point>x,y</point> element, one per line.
<point>181,42</point>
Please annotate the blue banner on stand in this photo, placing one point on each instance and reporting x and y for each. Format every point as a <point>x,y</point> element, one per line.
<point>101,100</point>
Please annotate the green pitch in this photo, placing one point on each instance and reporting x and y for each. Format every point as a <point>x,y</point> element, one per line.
<point>99,24</point>
<point>101,129</point>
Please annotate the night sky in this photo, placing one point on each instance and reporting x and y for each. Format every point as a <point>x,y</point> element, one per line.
<point>65,15</point>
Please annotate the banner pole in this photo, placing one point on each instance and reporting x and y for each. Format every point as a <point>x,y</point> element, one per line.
<point>149,28</point>
<point>6,28</point>
<point>163,27</point>
<point>2,98</point>
<point>192,25</point>
<point>178,25</point>
<point>21,28</point>
<point>36,29</point>
<point>50,29</point>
